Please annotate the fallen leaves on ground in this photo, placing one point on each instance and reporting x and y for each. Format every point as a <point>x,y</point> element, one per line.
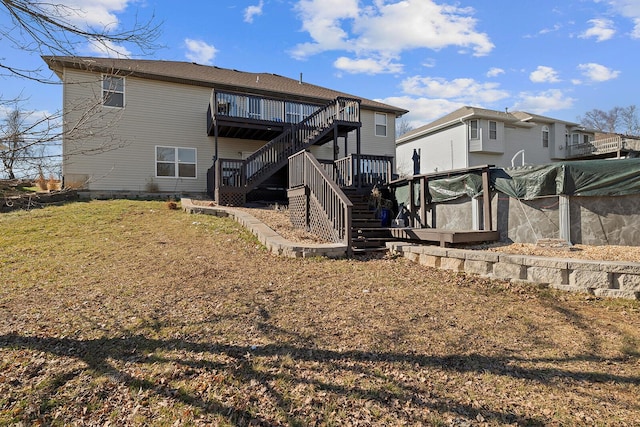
<point>128,313</point>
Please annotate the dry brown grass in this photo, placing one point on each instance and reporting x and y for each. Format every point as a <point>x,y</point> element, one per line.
<point>134,314</point>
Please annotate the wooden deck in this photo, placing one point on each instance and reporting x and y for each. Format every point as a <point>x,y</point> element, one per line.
<point>445,237</point>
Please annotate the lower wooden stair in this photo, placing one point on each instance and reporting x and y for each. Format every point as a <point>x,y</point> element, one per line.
<point>367,233</point>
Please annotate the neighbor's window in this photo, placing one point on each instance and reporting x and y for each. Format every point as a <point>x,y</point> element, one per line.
<point>175,162</point>
<point>473,129</point>
<point>545,136</point>
<point>381,124</point>
<point>493,130</point>
<point>113,91</point>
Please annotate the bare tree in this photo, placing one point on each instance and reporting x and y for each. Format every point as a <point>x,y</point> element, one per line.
<point>55,28</point>
<point>623,120</point>
<point>403,126</point>
<point>32,141</point>
<point>26,139</point>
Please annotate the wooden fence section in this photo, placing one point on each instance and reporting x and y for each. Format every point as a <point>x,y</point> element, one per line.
<point>314,196</point>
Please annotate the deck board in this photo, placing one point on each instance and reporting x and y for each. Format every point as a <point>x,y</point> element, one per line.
<point>445,237</point>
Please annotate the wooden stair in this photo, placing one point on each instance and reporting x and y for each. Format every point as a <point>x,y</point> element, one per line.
<point>367,233</point>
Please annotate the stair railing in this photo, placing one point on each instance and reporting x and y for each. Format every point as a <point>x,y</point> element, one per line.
<point>373,169</point>
<point>325,199</point>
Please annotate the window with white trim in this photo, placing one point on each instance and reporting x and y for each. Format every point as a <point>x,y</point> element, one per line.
<point>113,91</point>
<point>545,136</point>
<point>381,124</point>
<point>175,162</point>
<point>473,129</point>
<point>493,130</point>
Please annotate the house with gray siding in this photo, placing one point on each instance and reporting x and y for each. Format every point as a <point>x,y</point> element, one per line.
<point>135,126</point>
<point>473,136</point>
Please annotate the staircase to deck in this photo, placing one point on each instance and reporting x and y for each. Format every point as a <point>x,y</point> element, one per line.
<point>236,178</point>
<point>367,233</point>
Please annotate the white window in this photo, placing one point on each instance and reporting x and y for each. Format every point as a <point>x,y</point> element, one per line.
<point>493,130</point>
<point>381,124</point>
<point>575,138</point>
<point>113,91</point>
<point>175,162</point>
<point>473,129</point>
<point>545,136</point>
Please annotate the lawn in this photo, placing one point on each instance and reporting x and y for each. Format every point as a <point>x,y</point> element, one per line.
<point>129,313</point>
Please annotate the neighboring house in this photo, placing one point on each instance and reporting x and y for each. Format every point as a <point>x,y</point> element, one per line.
<point>472,136</point>
<point>134,126</point>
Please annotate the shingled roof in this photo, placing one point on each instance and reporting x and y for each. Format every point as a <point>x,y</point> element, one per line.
<point>517,118</point>
<point>265,84</point>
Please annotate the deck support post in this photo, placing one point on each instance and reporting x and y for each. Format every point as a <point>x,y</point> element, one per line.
<point>423,201</point>
<point>412,204</point>
<point>564,218</point>
<point>486,198</point>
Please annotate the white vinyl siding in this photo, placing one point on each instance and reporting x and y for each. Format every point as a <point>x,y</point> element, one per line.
<point>381,124</point>
<point>122,140</point>
<point>113,91</point>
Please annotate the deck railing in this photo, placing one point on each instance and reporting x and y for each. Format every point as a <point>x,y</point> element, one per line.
<point>229,104</point>
<point>274,154</point>
<point>372,169</point>
<point>323,194</point>
<point>600,146</point>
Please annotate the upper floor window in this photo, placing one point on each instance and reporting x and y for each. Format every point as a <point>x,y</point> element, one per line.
<point>381,124</point>
<point>175,162</point>
<point>493,130</point>
<point>113,91</point>
<point>545,136</point>
<point>473,129</point>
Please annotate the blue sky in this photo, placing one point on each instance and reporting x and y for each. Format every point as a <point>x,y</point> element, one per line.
<point>558,59</point>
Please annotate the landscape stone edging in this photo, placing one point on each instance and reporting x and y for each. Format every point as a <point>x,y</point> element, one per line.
<point>268,237</point>
<point>600,278</point>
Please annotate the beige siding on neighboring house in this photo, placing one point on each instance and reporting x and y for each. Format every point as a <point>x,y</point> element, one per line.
<point>155,114</point>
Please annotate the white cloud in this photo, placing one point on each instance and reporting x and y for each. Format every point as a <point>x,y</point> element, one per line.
<point>367,66</point>
<point>544,74</point>
<point>629,9</point>
<point>601,29</point>
<point>100,13</point>
<point>108,49</point>
<point>385,30</point>
<point>495,72</point>
<point>461,90</point>
<point>422,110</point>
<point>542,102</point>
<point>598,73</point>
<point>200,52</point>
<point>252,11</point>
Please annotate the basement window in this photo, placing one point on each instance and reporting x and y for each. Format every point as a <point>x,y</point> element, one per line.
<point>175,162</point>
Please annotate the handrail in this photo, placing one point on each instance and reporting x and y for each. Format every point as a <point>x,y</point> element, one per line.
<point>599,146</point>
<point>247,106</point>
<point>310,173</point>
<point>372,170</point>
<point>274,153</point>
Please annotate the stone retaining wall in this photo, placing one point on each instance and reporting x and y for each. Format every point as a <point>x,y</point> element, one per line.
<point>269,238</point>
<point>600,278</point>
